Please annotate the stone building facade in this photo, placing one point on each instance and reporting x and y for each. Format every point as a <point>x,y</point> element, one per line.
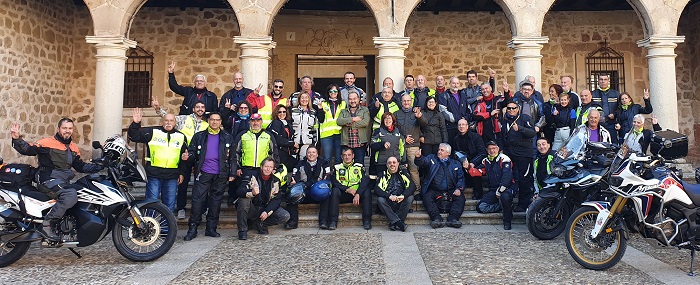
<point>62,59</point>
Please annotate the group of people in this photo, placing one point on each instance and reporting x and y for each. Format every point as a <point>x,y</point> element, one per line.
<point>422,143</point>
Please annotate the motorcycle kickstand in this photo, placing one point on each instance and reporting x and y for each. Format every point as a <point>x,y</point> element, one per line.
<point>692,260</point>
<point>80,256</point>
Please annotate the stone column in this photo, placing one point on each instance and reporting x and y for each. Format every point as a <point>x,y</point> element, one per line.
<point>109,84</point>
<point>662,77</point>
<point>528,59</point>
<point>391,60</point>
<point>255,60</point>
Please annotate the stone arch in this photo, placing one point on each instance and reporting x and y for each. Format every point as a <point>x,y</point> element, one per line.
<point>526,17</point>
<point>659,18</point>
<point>274,10</point>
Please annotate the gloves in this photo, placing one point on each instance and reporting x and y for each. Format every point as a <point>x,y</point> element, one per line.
<point>500,190</point>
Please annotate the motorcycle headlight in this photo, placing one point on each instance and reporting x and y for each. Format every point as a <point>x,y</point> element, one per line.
<point>558,170</point>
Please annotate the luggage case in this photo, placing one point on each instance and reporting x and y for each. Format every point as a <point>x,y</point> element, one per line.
<point>669,144</point>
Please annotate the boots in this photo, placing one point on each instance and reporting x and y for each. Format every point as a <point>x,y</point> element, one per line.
<point>191,232</point>
<point>48,229</point>
<point>210,231</point>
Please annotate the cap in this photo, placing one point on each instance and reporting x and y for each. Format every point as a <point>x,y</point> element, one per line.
<point>491,143</point>
<point>256,116</point>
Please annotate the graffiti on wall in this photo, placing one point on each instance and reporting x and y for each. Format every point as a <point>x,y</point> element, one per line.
<point>334,41</point>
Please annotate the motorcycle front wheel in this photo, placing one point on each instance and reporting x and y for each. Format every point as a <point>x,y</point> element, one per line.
<point>540,221</point>
<point>598,253</point>
<point>11,252</point>
<point>150,242</point>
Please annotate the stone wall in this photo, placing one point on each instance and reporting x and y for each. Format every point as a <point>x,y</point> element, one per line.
<point>688,73</point>
<point>36,56</point>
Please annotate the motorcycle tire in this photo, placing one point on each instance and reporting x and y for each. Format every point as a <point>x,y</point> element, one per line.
<point>589,252</point>
<point>151,242</point>
<point>11,252</point>
<point>539,225</point>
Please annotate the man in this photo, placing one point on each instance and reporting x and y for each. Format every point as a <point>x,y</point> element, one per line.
<point>443,177</point>
<point>440,84</point>
<point>587,104</point>
<point>260,199</point>
<point>187,125</point>
<point>386,104</point>
<point>309,171</point>
<point>534,94</point>
<point>355,119</point>
<point>408,123</point>
<point>487,112</point>
<point>542,164</point>
<point>165,144</point>
<point>596,132</point>
<point>567,85</point>
<point>214,166</point>
<point>349,79</point>
<point>469,144</point>
<point>607,98</point>
<point>455,108</point>
<point>408,85</point>
<point>394,194</point>
<point>421,93</point>
<point>264,104</point>
<point>252,147</point>
<point>388,82</point>
<point>499,180</point>
<point>234,96</point>
<point>56,156</point>
<point>192,94</point>
<point>517,132</point>
<point>530,106</point>
<point>350,184</point>
<point>306,83</point>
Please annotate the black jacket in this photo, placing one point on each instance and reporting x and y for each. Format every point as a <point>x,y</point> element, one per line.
<point>307,174</point>
<point>144,135</point>
<point>235,97</point>
<point>198,149</point>
<point>472,145</point>
<point>191,95</point>
<point>625,117</point>
<point>269,198</point>
<point>233,123</point>
<point>517,143</point>
<point>432,123</point>
<point>52,153</point>
<point>283,134</point>
<point>408,124</point>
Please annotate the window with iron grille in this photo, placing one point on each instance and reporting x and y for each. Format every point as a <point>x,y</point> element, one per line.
<point>138,78</point>
<point>605,61</point>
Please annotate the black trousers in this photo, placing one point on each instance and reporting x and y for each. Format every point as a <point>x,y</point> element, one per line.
<point>293,209</point>
<point>66,198</point>
<point>246,210</point>
<point>209,189</point>
<point>477,185</point>
<point>524,177</point>
<point>330,209</point>
<point>182,188</point>
<point>431,206</point>
<point>395,211</point>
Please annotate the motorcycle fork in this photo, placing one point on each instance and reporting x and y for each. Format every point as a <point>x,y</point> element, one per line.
<point>136,215</point>
<point>602,221</point>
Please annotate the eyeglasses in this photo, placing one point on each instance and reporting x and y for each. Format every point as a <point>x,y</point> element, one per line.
<point>242,107</point>
<point>333,91</point>
<point>277,87</point>
<point>281,112</point>
<point>511,108</point>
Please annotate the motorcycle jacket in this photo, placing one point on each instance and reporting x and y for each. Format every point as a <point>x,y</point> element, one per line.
<point>56,157</point>
<point>498,171</point>
<point>198,149</point>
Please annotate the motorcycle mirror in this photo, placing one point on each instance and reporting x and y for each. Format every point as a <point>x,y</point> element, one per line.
<point>96,145</point>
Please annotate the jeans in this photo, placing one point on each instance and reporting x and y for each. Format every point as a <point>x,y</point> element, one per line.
<point>395,211</point>
<point>359,153</point>
<point>163,189</point>
<point>492,204</point>
<point>331,149</point>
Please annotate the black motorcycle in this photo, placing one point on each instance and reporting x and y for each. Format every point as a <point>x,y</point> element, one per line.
<point>142,230</point>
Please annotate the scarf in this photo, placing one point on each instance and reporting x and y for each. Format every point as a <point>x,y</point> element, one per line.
<point>265,177</point>
<point>637,131</point>
<point>243,117</point>
<point>390,128</point>
<point>605,90</point>
<point>552,101</point>
<point>488,98</point>
<point>491,158</point>
<point>625,107</point>
<point>212,131</point>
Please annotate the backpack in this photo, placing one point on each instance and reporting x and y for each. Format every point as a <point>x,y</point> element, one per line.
<point>15,175</point>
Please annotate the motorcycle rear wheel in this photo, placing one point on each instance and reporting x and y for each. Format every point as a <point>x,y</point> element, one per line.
<point>11,252</point>
<point>598,253</point>
<point>538,222</point>
<point>151,242</point>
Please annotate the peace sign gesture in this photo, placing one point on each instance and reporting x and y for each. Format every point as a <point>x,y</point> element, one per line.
<point>171,67</point>
<point>14,130</point>
<point>228,103</point>
<point>257,90</point>
<point>646,94</point>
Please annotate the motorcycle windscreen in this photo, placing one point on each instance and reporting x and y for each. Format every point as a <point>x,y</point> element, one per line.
<point>575,146</point>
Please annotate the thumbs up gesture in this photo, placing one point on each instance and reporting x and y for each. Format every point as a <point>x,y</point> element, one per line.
<point>185,155</point>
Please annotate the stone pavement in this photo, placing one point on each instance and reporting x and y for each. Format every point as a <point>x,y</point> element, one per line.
<point>475,254</point>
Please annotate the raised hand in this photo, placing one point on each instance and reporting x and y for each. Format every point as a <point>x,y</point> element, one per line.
<point>419,114</point>
<point>228,104</point>
<point>14,130</point>
<point>646,94</point>
<point>556,112</point>
<point>492,72</point>
<point>418,153</point>
<point>256,190</point>
<point>654,119</point>
<point>137,115</point>
<point>185,155</point>
<point>155,104</point>
<point>257,90</point>
<point>171,67</point>
<point>515,127</point>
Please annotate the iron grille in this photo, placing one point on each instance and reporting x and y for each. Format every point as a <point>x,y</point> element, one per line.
<point>605,60</point>
<point>138,78</point>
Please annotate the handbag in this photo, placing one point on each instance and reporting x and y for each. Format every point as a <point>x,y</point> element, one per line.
<point>474,172</point>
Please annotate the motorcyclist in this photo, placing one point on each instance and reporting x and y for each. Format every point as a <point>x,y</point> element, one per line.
<point>56,156</point>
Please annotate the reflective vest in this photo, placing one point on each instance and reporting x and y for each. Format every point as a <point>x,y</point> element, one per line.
<point>431,93</point>
<point>188,128</point>
<point>266,111</point>
<point>536,164</point>
<point>384,180</point>
<point>254,149</point>
<point>165,153</point>
<point>378,118</point>
<point>329,126</point>
<point>281,174</point>
<point>349,176</point>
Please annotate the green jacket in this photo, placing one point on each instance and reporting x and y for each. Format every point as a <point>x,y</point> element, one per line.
<point>344,118</point>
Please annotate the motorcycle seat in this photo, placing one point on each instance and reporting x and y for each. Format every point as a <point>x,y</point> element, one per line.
<point>31,191</point>
<point>693,191</point>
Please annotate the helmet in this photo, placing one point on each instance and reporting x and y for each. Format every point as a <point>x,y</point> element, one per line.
<point>321,190</point>
<point>296,193</point>
<point>114,147</point>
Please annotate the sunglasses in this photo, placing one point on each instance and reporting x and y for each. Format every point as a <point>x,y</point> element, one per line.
<point>333,91</point>
<point>277,87</point>
<point>511,108</point>
<point>281,112</point>
<point>242,107</point>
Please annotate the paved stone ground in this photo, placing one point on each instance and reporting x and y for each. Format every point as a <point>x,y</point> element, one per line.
<point>480,254</point>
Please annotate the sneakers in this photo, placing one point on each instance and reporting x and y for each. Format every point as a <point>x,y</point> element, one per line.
<point>437,224</point>
<point>181,214</point>
<point>323,225</point>
<point>454,224</point>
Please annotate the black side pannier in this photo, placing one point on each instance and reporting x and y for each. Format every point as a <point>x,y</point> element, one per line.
<point>669,144</point>
<point>15,175</point>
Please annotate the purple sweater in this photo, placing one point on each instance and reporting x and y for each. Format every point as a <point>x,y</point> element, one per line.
<point>211,157</point>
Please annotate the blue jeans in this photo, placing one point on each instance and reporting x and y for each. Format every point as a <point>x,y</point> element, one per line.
<point>360,154</point>
<point>163,189</point>
<point>331,148</point>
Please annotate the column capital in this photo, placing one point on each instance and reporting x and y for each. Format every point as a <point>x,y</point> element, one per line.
<point>110,41</point>
<point>255,42</point>
<point>660,41</point>
<point>527,42</point>
<point>391,42</point>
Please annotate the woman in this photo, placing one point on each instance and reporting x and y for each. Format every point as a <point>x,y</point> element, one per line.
<point>330,131</point>
<point>624,115</point>
<point>638,139</point>
<point>555,90</point>
<point>281,128</point>
<point>387,141</point>
<point>305,124</point>
<point>238,122</point>
<point>563,119</point>
<point>432,124</point>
